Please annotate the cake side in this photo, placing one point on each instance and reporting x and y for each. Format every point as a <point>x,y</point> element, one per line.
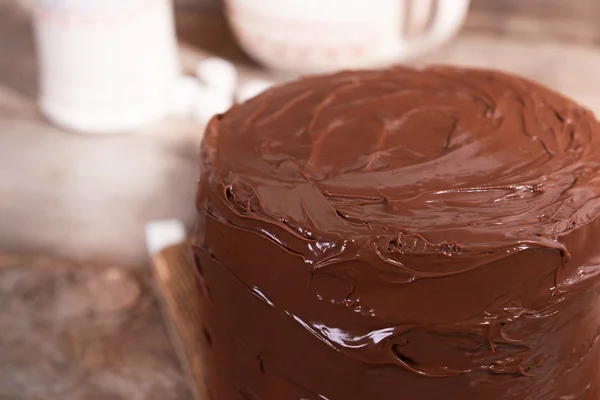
<point>428,232</point>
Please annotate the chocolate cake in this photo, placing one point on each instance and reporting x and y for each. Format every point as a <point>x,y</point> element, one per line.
<point>401,235</point>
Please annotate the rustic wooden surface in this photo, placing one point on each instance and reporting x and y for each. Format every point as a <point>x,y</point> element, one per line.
<point>77,196</point>
<point>568,20</point>
<point>79,331</point>
<point>572,20</point>
<point>82,332</point>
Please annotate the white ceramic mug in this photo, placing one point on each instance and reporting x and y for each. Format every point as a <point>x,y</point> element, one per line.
<point>321,35</point>
<point>106,66</point>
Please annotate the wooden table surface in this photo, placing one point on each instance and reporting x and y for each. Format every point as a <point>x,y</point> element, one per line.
<point>90,328</point>
<point>73,331</point>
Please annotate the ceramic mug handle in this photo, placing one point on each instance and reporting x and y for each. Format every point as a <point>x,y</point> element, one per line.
<point>447,18</point>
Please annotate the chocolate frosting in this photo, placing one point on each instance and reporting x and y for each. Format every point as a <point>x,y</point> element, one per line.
<point>401,234</point>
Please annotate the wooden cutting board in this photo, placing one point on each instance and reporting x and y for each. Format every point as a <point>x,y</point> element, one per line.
<point>176,286</point>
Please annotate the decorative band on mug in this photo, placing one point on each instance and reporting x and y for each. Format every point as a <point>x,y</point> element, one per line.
<point>248,15</point>
<point>92,13</point>
<point>283,48</point>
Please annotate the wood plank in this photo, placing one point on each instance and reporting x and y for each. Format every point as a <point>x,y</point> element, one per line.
<point>541,9</point>
<point>177,288</point>
<point>574,21</point>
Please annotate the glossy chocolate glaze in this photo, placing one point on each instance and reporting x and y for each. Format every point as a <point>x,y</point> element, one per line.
<point>401,234</point>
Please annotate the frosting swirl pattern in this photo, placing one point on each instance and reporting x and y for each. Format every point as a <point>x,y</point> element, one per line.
<point>401,234</point>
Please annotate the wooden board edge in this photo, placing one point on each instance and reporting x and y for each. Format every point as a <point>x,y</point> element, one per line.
<point>176,288</point>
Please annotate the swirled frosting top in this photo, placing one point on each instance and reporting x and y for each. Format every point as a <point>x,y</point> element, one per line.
<point>445,159</point>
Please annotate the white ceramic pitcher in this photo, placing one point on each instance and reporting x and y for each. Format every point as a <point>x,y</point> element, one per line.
<point>320,35</point>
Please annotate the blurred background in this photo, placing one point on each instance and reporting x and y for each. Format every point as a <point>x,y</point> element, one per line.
<point>102,109</point>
